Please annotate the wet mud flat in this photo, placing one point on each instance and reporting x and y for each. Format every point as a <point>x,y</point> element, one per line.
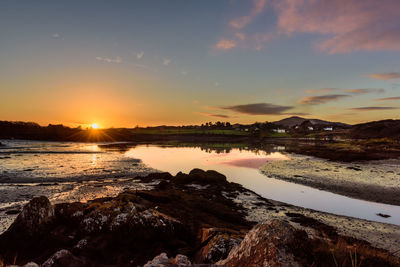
<point>15,195</point>
<point>377,181</point>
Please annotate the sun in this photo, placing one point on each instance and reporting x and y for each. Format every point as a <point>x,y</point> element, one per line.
<point>95,126</point>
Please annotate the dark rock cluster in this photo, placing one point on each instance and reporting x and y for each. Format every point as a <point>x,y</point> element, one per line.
<point>176,218</point>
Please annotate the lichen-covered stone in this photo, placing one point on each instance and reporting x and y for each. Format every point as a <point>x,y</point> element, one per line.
<point>33,217</point>
<point>267,244</point>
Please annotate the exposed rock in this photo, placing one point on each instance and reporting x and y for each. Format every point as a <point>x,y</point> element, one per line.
<point>33,217</point>
<point>181,260</point>
<point>279,243</point>
<point>162,260</point>
<point>265,245</point>
<point>158,261</point>
<point>63,258</point>
<point>131,228</point>
<point>199,176</point>
<point>383,215</point>
<point>219,247</point>
<point>217,244</point>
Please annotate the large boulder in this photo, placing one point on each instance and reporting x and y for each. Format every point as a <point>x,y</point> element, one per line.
<point>268,244</point>
<point>33,217</point>
<point>199,176</point>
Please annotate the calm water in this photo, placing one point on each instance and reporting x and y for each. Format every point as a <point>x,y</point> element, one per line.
<point>34,162</point>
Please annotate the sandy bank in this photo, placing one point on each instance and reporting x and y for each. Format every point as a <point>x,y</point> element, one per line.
<point>377,181</point>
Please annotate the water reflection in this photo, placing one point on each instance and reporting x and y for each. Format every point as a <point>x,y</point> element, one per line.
<point>241,166</point>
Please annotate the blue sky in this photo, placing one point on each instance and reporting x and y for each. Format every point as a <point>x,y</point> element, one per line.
<point>172,62</point>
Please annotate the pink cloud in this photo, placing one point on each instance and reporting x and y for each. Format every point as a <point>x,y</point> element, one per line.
<point>240,39</point>
<point>257,9</point>
<point>349,25</point>
<point>225,44</point>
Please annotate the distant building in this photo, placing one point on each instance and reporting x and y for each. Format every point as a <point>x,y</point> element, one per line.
<point>279,130</point>
<point>310,128</point>
<point>328,129</point>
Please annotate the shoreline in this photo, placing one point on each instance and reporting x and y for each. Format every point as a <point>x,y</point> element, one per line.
<point>347,150</point>
<point>376,181</point>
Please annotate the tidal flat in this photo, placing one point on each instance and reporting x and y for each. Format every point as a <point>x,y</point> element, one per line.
<point>377,180</point>
<point>257,187</point>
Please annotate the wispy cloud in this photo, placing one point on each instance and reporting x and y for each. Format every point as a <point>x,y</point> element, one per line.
<point>225,44</point>
<point>388,98</point>
<point>223,116</point>
<point>372,108</point>
<point>349,25</point>
<point>110,60</point>
<point>351,91</point>
<point>55,35</point>
<point>364,90</point>
<point>257,9</point>
<point>258,109</point>
<point>166,61</point>
<point>316,100</point>
<point>145,67</point>
<point>385,76</point>
<point>140,55</point>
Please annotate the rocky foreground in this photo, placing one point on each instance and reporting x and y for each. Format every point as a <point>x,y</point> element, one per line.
<point>186,220</point>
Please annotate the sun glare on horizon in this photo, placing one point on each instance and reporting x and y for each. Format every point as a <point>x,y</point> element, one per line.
<point>95,126</point>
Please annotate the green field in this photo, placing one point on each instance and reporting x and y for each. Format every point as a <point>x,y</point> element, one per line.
<point>188,131</point>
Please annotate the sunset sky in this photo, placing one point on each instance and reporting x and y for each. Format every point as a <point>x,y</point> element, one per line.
<point>127,63</point>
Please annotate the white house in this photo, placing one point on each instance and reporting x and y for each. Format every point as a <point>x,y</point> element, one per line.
<point>310,128</point>
<point>279,130</point>
<point>328,129</point>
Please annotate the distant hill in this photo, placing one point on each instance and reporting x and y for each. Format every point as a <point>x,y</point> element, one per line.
<point>376,129</point>
<point>295,120</point>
